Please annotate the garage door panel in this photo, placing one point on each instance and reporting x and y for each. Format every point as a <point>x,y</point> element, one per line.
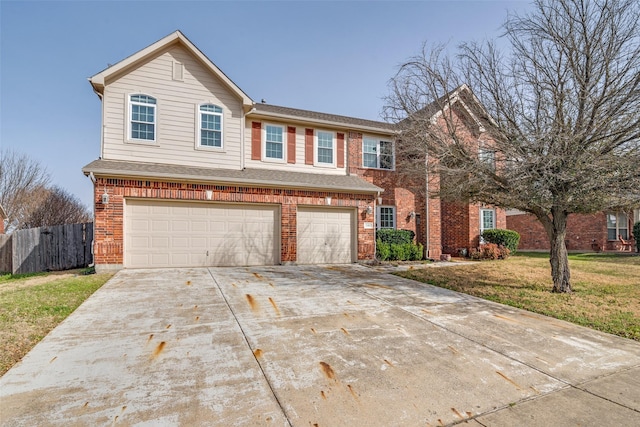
<point>325,235</point>
<point>183,234</point>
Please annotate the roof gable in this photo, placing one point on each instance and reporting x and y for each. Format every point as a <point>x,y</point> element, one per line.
<point>132,61</point>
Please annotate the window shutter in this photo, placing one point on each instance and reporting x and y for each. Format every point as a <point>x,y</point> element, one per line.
<point>291,144</point>
<point>308,146</point>
<point>256,139</point>
<point>340,150</point>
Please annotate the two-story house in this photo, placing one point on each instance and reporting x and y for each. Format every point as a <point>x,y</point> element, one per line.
<point>193,172</point>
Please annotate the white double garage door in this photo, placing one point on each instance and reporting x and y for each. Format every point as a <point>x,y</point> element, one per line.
<point>192,234</point>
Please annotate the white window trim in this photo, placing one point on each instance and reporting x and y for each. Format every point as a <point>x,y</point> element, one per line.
<point>482,229</point>
<point>378,140</point>
<point>378,217</point>
<point>129,116</point>
<point>198,139</point>
<point>263,148</point>
<point>334,151</point>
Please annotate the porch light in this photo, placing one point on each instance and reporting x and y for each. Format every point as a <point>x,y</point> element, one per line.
<point>105,198</point>
<point>327,200</point>
<point>369,210</point>
<point>412,214</point>
<point>379,200</point>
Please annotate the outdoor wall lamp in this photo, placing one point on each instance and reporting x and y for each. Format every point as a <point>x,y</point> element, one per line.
<point>209,194</point>
<point>369,210</point>
<point>105,198</point>
<point>412,214</point>
<point>327,200</point>
<point>379,200</point>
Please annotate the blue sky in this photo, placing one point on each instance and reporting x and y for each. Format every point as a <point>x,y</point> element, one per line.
<point>333,57</point>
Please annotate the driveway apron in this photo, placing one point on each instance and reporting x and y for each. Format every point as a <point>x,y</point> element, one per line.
<point>314,345</point>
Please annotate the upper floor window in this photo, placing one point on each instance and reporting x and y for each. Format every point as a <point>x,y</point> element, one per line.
<point>386,216</point>
<point>210,126</point>
<point>274,142</point>
<point>377,153</point>
<point>487,156</point>
<point>142,113</point>
<point>325,148</point>
<point>617,225</point>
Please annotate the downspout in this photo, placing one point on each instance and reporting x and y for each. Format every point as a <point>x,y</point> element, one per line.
<point>242,136</point>
<point>93,178</point>
<point>426,204</point>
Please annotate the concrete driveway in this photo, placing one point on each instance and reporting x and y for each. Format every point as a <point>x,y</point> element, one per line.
<point>314,346</point>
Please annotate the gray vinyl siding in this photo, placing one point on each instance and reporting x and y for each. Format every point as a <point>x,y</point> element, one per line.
<point>176,114</point>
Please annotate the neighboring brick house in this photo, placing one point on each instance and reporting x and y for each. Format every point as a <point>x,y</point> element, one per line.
<point>193,172</point>
<point>594,232</point>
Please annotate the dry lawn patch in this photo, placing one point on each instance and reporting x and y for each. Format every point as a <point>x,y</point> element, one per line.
<point>606,288</point>
<point>30,307</point>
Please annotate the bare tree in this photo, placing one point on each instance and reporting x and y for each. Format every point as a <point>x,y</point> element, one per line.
<point>22,186</point>
<point>58,207</point>
<point>559,113</point>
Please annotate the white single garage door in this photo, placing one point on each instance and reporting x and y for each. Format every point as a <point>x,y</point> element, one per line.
<point>325,235</point>
<point>186,234</point>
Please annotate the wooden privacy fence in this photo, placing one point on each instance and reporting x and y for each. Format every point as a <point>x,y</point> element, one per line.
<point>59,247</point>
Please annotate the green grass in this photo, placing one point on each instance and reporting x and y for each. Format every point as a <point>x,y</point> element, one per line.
<point>606,288</point>
<point>29,312</point>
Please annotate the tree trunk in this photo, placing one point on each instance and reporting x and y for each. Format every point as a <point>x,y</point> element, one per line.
<point>560,263</point>
<point>556,228</point>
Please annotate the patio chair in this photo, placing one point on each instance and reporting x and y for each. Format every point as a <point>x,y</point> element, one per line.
<point>624,244</point>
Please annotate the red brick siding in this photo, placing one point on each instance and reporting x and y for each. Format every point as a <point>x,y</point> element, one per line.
<point>108,246</point>
<point>406,195</point>
<point>582,231</point>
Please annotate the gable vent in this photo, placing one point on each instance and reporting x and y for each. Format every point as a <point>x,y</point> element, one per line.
<point>178,71</point>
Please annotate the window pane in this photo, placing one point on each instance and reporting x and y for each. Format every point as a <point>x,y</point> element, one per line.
<point>211,138</point>
<point>274,150</point>
<point>386,217</point>
<point>370,160</point>
<point>325,147</point>
<point>369,146</point>
<point>611,234</point>
<point>488,219</point>
<point>274,144</point>
<point>210,121</point>
<point>211,108</point>
<point>274,133</point>
<point>143,98</point>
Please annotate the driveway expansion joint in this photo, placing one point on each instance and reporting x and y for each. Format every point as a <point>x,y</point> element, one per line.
<point>244,336</point>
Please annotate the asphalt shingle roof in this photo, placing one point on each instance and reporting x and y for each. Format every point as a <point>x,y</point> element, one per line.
<point>249,176</point>
<point>324,117</point>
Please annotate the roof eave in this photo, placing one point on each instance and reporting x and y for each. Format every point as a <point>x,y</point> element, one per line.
<point>226,181</point>
<point>329,123</point>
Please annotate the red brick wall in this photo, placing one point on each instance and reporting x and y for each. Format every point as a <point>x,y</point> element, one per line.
<point>406,195</point>
<point>108,245</point>
<point>582,230</point>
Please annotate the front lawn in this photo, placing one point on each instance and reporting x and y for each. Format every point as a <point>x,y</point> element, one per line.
<point>32,305</point>
<point>606,288</point>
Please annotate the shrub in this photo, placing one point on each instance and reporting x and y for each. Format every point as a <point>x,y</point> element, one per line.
<point>417,251</point>
<point>636,235</point>
<point>490,251</point>
<point>389,235</point>
<point>398,251</point>
<point>383,250</point>
<point>507,238</point>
